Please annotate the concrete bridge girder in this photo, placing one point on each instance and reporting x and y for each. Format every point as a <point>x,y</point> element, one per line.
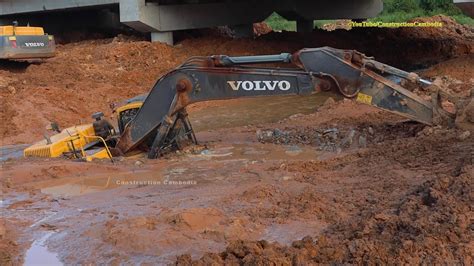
<point>329,9</point>
<point>162,19</point>
<point>148,17</point>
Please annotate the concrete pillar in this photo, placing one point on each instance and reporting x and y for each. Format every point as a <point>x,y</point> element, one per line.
<point>243,30</point>
<point>162,36</point>
<point>304,25</point>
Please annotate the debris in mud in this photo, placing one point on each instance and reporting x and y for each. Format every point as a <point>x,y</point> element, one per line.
<point>335,139</point>
<point>344,24</point>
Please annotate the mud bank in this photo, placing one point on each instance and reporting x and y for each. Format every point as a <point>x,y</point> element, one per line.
<point>88,76</point>
<point>402,196</point>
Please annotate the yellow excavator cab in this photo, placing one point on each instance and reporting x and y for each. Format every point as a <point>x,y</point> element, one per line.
<point>81,141</point>
<point>25,42</point>
<point>73,140</point>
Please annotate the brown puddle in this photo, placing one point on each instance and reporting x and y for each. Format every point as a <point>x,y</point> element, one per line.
<point>239,113</point>
<point>258,151</point>
<point>96,183</point>
<point>242,112</point>
<point>69,187</point>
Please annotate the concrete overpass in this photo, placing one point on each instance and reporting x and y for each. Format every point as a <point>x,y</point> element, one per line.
<point>162,17</point>
<point>467,6</point>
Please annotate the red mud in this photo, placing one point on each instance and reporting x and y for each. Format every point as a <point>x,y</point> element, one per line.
<point>399,192</point>
<point>88,76</point>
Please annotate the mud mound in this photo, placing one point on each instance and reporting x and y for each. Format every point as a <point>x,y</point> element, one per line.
<point>454,76</point>
<point>9,248</point>
<point>197,219</point>
<point>430,225</point>
<point>450,28</point>
<point>121,233</point>
<point>261,28</point>
<point>282,206</point>
<point>407,48</point>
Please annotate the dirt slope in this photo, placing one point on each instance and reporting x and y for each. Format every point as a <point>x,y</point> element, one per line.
<point>88,76</point>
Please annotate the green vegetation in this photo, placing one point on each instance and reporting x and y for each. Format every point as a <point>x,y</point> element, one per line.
<point>403,10</point>
<point>394,11</point>
<point>278,23</point>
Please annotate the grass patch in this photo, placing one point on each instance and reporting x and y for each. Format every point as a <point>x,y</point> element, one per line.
<point>394,11</point>
<point>319,23</point>
<point>463,19</point>
<point>279,23</point>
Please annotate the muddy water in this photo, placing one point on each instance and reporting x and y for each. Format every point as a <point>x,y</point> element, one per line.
<point>97,183</point>
<point>255,111</point>
<point>257,151</point>
<point>11,151</point>
<point>38,254</point>
<point>239,113</point>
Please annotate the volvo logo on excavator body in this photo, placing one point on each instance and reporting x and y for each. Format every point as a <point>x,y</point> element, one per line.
<point>262,85</point>
<point>34,44</point>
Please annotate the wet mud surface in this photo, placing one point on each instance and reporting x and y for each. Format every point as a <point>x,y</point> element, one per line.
<point>309,181</point>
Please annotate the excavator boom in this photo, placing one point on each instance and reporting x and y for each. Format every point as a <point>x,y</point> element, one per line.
<point>307,71</point>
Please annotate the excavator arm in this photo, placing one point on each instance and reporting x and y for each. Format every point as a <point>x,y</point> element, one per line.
<point>348,72</point>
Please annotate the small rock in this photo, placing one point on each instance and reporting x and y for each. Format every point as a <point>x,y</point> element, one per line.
<point>371,131</point>
<point>329,102</point>
<point>278,133</point>
<point>265,135</point>
<point>362,141</point>
<point>465,135</point>
<point>295,116</point>
<point>286,178</point>
<point>331,133</point>
<point>205,152</point>
<point>382,217</point>
<point>138,163</point>
<point>428,131</point>
<point>349,139</point>
<point>11,89</point>
<point>8,183</point>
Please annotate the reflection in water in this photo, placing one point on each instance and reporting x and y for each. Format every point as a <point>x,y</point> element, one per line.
<point>12,151</point>
<point>38,254</point>
<point>257,151</point>
<point>96,183</point>
<point>248,111</point>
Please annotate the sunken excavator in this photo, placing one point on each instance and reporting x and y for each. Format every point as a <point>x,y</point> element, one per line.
<point>158,122</point>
